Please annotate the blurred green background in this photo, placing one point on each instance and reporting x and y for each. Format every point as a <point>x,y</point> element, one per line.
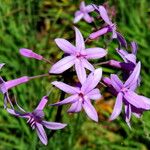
<point>34,24</point>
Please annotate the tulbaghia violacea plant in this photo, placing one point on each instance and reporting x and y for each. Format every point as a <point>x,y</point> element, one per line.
<point>77,55</point>
<point>36,121</point>
<point>81,96</point>
<point>5,86</point>
<point>134,104</point>
<point>110,27</point>
<point>84,13</point>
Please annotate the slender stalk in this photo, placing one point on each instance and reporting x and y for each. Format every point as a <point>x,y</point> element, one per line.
<point>48,61</point>
<point>39,76</point>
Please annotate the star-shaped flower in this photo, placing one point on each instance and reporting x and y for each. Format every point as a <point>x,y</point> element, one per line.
<point>78,56</point>
<point>80,97</point>
<point>84,13</point>
<point>35,119</point>
<point>133,102</point>
<point>110,27</point>
<point>5,86</point>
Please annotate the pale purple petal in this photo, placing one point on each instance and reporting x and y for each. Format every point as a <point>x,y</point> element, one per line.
<point>116,82</point>
<point>53,125</point>
<point>1,65</point>
<point>90,110</point>
<point>66,46</point>
<point>98,33</point>
<point>80,70</point>
<point>123,53</point>
<point>65,87</point>
<point>92,81</point>
<point>41,133</point>
<point>134,76</point>
<point>42,103</point>
<point>121,40</point>
<point>128,114</point>
<point>131,58</point>
<point>89,8</point>
<point>114,34</point>
<point>82,5</point>
<point>78,16</point>
<point>79,40</point>
<point>137,100</point>
<point>104,15</point>
<point>30,54</point>
<point>87,65</point>
<point>70,99</point>
<point>63,64</point>
<point>94,94</point>
<point>134,47</point>
<point>88,18</point>
<point>95,53</point>
<point>75,107</point>
<point>117,107</point>
<point>12,83</point>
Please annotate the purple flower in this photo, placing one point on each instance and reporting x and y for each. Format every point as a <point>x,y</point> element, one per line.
<point>78,56</point>
<point>80,97</point>
<point>129,57</point>
<point>111,27</point>
<point>133,102</point>
<point>35,119</point>
<point>30,54</point>
<point>84,13</point>
<point>5,86</point>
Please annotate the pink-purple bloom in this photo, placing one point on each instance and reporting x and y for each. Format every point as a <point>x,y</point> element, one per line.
<point>77,55</point>
<point>81,96</point>
<point>110,27</point>
<point>84,13</point>
<point>5,86</point>
<point>134,104</point>
<point>30,54</point>
<point>35,119</point>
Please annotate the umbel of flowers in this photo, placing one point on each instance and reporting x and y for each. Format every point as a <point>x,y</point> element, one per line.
<point>78,58</point>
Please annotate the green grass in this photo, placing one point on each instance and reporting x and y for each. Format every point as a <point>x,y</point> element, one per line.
<point>35,25</point>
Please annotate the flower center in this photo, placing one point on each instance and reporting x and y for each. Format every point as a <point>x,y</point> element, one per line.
<point>80,55</point>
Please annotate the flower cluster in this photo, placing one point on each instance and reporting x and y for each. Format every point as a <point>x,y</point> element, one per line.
<point>78,60</point>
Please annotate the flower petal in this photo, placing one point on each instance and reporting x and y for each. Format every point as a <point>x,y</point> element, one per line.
<point>88,18</point>
<point>53,125</point>
<point>80,70</point>
<point>104,15</point>
<point>116,82</point>
<point>128,114</point>
<point>137,101</point>
<point>92,81</point>
<point>78,16</point>
<point>117,107</point>
<point>62,65</point>
<point>134,76</point>
<point>12,83</point>
<point>42,103</point>
<point>79,40</point>
<point>121,40</point>
<point>66,46</point>
<point>70,99</point>
<point>131,58</point>
<point>75,107</point>
<point>89,8</point>
<point>98,33</point>
<point>90,110</point>
<point>134,47</point>
<point>41,133</point>
<point>65,87</point>
<point>1,65</point>
<point>87,65</point>
<point>95,53</point>
<point>94,94</point>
